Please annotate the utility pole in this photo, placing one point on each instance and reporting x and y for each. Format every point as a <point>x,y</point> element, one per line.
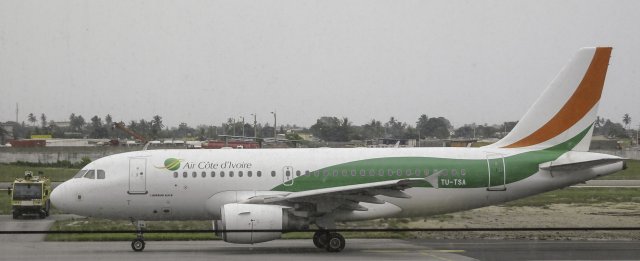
<point>242,127</point>
<point>17,110</point>
<point>275,127</point>
<point>255,124</point>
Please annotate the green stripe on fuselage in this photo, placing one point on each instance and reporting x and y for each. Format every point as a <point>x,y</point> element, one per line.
<point>453,173</point>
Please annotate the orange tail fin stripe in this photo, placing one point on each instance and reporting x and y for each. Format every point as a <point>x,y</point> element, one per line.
<point>579,104</point>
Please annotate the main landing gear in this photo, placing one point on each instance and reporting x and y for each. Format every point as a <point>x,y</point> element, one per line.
<point>330,241</point>
<point>138,243</point>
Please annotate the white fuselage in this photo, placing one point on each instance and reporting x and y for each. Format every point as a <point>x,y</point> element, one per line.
<point>139,186</point>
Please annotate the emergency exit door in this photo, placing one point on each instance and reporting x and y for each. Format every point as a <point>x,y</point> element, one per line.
<point>137,176</point>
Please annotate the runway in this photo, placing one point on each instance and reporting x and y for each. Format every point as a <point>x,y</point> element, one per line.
<point>357,249</point>
<point>32,247</point>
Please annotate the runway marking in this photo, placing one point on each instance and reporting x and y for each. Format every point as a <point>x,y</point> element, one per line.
<point>435,256</point>
<point>412,250</point>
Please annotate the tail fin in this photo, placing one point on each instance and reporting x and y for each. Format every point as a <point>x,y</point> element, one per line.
<point>567,108</point>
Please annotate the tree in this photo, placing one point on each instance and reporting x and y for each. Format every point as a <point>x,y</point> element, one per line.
<point>332,129</point>
<point>394,128</point>
<point>97,129</point>
<point>32,119</point>
<point>76,122</point>
<point>372,130</point>
<point>156,126</point>
<point>43,121</point>
<point>626,119</point>
<point>3,133</point>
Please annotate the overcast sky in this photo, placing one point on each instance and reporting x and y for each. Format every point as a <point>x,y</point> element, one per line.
<point>201,62</point>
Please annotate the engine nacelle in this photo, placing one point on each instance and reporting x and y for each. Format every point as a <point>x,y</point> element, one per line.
<point>255,217</point>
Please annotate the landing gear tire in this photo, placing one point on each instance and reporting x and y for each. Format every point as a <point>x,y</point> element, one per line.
<point>335,242</point>
<point>137,245</point>
<point>320,239</point>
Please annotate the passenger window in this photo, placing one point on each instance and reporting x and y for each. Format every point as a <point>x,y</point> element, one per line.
<point>353,172</point>
<point>240,173</point>
<point>316,173</point>
<point>91,174</point>
<point>344,172</point>
<point>463,172</point>
<point>306,173</point>
<point>184,174</point>
<point>426,172</point>
<point>297,173</point>
<point>273,173</point>
<point>259,173</point>
<point>409,173</point>
<point>175,174</point>
<point>399,172</point>
<point>335,172</point>
<point>213,174</point>
<point>381,172</point>
<point>288,173</point>
<point>249,173</point>
<point>363,172</point>
<point>454,172</point>
<point>194,174</point>
<point>204,174</point>
<point>389,172</point>
<point>101,174</point>
<point>231,174</point>
<point>222,174</point>
<point>372,172</point>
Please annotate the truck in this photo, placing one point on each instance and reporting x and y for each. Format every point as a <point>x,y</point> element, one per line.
<point>30,196</point>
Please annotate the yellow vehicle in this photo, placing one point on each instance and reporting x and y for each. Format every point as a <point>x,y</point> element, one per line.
<point>30,196</point>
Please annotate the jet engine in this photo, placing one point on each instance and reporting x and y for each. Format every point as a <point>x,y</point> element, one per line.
<point>250,217</point>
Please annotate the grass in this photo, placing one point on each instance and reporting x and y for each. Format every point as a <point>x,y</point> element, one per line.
<point>579,196</point>
<point>5,203</point>
<point>9,172</point>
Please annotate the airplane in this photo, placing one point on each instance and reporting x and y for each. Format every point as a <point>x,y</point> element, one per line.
<point>292,189</point>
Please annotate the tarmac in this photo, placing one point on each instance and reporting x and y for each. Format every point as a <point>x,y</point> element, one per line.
<point>32,247</point>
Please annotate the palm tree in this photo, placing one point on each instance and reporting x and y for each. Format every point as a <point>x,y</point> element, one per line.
<point>32,118</point>
<point>627,120</point>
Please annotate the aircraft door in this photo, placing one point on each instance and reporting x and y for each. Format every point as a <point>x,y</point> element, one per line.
<point>287,175</point>
<point>497,172</point>
<point>137,176</point>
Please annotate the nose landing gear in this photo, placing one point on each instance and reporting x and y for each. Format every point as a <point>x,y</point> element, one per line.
<point>138,243</point>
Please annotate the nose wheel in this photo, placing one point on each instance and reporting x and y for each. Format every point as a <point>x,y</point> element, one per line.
<point>137,244</point>
<point>330,241</point>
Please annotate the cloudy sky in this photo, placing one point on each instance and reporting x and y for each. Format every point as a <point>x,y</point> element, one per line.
<point>201,62</point>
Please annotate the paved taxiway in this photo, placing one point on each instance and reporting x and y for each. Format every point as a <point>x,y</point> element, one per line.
<point>357,249</point>
<point>31,247</point>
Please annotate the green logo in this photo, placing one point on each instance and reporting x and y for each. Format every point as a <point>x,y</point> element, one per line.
<point>171,164</point>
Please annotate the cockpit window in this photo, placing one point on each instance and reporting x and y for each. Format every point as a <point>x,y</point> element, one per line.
<point>101,174</point>
<point>80,173</point>
<point>91,174</point>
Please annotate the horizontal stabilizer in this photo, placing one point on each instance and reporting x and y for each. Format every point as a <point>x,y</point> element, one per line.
<point>578,165</point>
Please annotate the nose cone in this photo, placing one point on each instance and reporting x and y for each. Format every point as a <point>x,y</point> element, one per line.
<point>59,197</point>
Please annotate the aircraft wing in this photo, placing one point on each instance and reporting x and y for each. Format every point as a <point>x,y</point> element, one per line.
<point>346,197</point>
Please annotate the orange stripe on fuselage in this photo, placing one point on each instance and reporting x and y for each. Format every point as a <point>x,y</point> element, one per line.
<point>583,99</point>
